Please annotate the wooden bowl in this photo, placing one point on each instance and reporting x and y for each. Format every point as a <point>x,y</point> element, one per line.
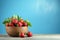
<point>23,29</point>
<point>15,31</point>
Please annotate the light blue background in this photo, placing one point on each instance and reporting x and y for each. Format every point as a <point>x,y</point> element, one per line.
<point>43,14</point>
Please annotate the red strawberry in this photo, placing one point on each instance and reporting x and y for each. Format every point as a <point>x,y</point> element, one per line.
<point>11,24</point>
<point>29,34</point>
<point>14,21</point>
<point>25,24</point>
<point>20,24</point>
<point>21,35</point>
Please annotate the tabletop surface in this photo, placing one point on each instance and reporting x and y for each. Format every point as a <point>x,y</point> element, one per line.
<point>34,37</point>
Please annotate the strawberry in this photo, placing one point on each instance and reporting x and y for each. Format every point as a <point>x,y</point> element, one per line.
<point>21,35</point>
<point>29,34</point>
<point>11,24</point>
<point>15,21</point>
<point>25,24</point>
<point>20,24</point>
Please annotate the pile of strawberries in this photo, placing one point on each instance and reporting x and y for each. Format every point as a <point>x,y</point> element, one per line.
<point>16,21</point>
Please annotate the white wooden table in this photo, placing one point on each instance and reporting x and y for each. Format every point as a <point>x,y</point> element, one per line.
<point>34,37</point>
